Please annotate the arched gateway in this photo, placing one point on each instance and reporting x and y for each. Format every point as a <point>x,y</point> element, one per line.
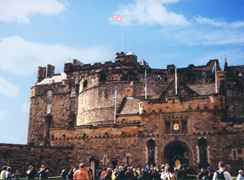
<point>176,153</point>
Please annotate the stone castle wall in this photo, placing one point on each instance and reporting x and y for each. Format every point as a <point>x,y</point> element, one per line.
<point>127,140</point>
<point>19,157</point>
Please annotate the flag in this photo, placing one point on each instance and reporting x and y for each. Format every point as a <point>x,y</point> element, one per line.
<point>117,18</point>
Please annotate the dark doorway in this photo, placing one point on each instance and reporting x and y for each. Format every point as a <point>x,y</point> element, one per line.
<point>151,152</point>
<point>176,152</point>
<point>203,152</point>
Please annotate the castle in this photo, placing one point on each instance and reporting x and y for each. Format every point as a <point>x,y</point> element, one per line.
<point>126,112</point>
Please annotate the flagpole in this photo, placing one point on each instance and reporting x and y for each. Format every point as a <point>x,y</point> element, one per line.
<point>216,81</point>
<point>176,82</point>
<point>115,105</point>
<point>145,83</point>
<point>119,19</point>
<point>123,40</point>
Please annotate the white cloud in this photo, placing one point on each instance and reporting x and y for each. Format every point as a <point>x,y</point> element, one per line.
<point>7,88</point>
<point>20,11</point>
<point>150,12</point>
<point>233,56</point>
<point>216,23</point>
<point>204,35</point>
<point>22,56</point>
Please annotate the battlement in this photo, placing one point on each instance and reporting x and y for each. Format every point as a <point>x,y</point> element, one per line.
<point>128,59</point>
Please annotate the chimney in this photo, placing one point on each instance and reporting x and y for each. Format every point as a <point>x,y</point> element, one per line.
<point>68,67</point>
<point>41,74</point>
<point>76,62</point>
<point>50,70</point>
<point>171,68</point>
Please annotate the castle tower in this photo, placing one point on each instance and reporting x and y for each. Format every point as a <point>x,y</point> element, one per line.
<point>96,102</point>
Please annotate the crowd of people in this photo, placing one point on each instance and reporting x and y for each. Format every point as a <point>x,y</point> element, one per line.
<point>31,174</point>
<point>165,172</point>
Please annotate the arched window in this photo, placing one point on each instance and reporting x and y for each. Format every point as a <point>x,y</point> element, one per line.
<point>141,108</point>
<point>85,83</point>
<point>103,77</point>
<point>151,152</point>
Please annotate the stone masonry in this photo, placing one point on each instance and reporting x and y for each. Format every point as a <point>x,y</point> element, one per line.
<point>128,112</point>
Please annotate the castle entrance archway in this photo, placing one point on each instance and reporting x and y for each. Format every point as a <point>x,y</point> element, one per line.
<point>177,153</point>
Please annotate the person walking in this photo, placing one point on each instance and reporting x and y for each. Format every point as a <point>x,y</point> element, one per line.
<point>81,173</point>
<point>221,173</point>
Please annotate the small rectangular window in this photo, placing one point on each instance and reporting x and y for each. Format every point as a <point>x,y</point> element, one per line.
<point>184,125</point>
<point>239,151</point>
<point>167,126</point>
<point>234,153</point>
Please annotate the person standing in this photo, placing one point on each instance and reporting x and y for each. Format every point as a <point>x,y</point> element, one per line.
<point>9,173</point>
<point>222,173</point>
<point>31,173</point>
<point>240,175</point>
<point>64,174</point>
<point>81,173</point>
<point>202,174</point>
<point>166,173</point>
<point>43,172</point>
<point>3,174</point>
<point>71,173</point>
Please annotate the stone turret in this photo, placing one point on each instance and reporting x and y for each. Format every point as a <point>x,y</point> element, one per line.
<point>128,58</point>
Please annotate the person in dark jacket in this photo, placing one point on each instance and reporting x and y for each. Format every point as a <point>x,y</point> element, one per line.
<point>43,172</point>
<point>31,173</point>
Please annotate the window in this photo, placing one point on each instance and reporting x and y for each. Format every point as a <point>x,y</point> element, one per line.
<point>167,126</point>
<point>49,96</point>
<point>176,126</point>
<point>234,154</point>
<point>103,76</point>
<point>239,151</point>
<point>49,101</point>
<point>85,84</point>
<point>203,151</point>
<point>158,77</point>
<point>184,125</point>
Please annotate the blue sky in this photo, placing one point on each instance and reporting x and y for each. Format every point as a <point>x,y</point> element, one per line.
<point>38,32</point>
